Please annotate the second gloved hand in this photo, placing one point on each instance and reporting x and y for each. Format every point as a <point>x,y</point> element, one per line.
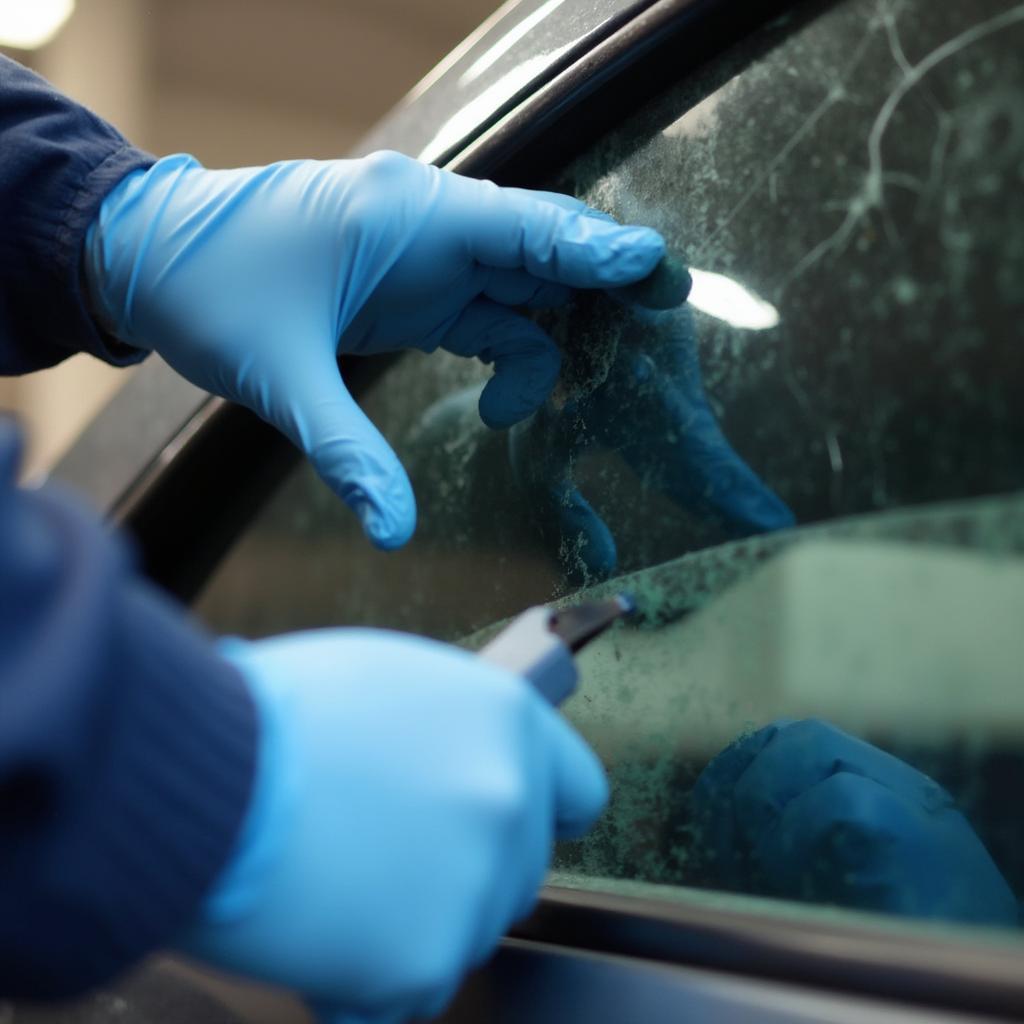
<point>405,803</point>
<point>250,282</point>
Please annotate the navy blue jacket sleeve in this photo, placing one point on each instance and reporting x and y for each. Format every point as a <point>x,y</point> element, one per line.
<point>127,746</point>
<point>57,163</point>
<point>127,750</point>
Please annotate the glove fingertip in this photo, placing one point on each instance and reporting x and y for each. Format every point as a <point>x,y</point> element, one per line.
<point>666,287</point>
<point>385,527</point>
<point>370,479</point>
<point>582,784</point>
<point>498,413</point>
<point>495,411</point>
<point>587,547</point>
<point>509,397</point>
<point>624,255</point>
<point>574,823</point>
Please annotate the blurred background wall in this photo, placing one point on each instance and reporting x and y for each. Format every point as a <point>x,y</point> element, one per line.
<point>234,82</point>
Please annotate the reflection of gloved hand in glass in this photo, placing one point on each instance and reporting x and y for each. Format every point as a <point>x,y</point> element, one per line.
<point>402,817</point>
<point>804,811</point>
<point>250,282</point>
<point>635,388</point>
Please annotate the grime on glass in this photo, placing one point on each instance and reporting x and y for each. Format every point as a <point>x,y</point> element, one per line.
<point>810,476</point>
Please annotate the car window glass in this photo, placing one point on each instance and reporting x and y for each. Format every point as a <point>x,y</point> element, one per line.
<point>809,476</point>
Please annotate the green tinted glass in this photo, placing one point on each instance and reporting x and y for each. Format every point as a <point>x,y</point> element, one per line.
<point>809,476</point>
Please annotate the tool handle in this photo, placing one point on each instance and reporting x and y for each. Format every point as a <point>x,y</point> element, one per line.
<point>528,647</point>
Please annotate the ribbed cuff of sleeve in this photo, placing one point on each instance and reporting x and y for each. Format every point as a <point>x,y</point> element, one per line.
<point>79,214</point>
<point>59,162</point>
<point>54,239</point>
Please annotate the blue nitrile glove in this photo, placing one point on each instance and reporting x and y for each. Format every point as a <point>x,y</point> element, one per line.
<point>406,799</point>
<point>642,396</point>
<point>250,282</point>
<point>805,811</point>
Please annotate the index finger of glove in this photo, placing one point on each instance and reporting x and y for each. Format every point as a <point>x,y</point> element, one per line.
<point>565,201</point>
<point>557,241</point>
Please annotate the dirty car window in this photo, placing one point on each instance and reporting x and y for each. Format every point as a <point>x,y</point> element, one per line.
<point>810,476</point>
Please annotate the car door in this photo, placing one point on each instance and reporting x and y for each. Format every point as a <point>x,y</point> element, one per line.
<point>810,477</point>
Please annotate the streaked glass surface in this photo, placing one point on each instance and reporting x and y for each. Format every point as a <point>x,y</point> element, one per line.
<point>811,477</point>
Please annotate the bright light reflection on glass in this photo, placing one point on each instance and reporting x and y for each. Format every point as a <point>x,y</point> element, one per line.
<point>466,119</point>
<point>507,41</point>
<point>725,299</point>
<point>460,51</point>
<point>29,24</point>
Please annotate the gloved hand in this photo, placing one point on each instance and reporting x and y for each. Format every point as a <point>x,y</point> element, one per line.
<point>638,392</point>
<point>405,803</point>
<point>805,811</point>
<point>250,282</point>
